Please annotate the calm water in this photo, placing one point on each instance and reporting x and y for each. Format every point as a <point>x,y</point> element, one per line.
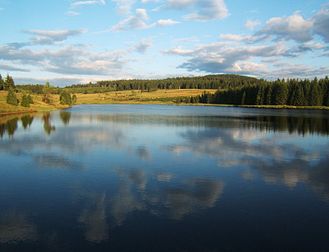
<point>165,178</point>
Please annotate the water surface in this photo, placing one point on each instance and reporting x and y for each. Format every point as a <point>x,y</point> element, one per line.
<point>165,178</point>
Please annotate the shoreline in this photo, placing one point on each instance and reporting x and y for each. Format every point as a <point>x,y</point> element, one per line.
<point>268,107</point>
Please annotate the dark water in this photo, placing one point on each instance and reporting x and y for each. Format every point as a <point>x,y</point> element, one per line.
<point>165,178</point>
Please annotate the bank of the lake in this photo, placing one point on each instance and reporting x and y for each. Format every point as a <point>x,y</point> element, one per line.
<point>164,97</point>
<point>37,106</point>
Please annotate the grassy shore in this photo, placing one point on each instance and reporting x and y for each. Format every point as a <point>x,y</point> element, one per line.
<point>173,96</point>
<point>38,106</point>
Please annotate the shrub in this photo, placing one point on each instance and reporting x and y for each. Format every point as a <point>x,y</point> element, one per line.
<point>25,101</point>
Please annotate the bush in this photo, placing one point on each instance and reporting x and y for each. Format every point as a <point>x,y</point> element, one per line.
<point>65,98</point>
<point>12,98</point>
<point>25,101</point>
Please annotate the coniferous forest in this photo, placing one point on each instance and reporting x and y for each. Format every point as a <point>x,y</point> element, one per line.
<point>291,92</point>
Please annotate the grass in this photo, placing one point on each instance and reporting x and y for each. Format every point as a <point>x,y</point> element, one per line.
<point>38,106</point>
<point>171,96</point>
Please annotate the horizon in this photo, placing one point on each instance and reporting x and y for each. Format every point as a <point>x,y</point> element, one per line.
<point>81,41</point>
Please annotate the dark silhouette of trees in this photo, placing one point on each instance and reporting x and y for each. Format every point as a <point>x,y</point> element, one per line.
<point>280,92</point>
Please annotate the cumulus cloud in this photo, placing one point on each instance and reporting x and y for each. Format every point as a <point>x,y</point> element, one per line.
<point>136,21</point>
<point>297,28</point>
<point>77,60</point>
<point>294,27</point>
<point>202,9</point>
<point>261,53</point>
<point>48,37</point>
<point>225,57</point>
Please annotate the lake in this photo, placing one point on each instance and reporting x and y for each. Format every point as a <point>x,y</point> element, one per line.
<point>165,178</point>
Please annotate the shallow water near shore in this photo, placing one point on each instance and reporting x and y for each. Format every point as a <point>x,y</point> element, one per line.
<point>165,178</point>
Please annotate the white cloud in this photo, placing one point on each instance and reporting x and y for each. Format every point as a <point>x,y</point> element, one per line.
<point>140,21</point>
<point>77,3</point>
<point>252,24</point>
<point>201,9</point>
<point>137,21</point>
<point>77,60</point>
<point>166,22</point>
<point>46,37</point>
<point>294,27</point>
<point>237,37</point>
<point>124,6</point>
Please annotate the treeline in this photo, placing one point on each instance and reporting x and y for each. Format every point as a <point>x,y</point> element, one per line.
<point>292,92</point>
<point>204,82</point>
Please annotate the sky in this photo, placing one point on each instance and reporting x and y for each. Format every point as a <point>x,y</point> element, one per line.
<point>78,41</point>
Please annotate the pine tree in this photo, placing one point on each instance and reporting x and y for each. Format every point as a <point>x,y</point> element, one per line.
<point>280,93</point>
<point>12,98</point>
<point>25,101</point>
<point>314,98</point>
<point>9,83</point>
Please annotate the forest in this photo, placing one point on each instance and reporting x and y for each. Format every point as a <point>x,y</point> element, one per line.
<point>291,92</point>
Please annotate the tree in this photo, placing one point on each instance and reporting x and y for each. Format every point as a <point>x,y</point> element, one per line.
<point>25,101</point>
<point>2,83</point>
<point>74,99</point>
<point>30,99</point>
<point>12,98</point>
<point>46,93</point>
<point>315,98</point>
<point>280,92</point>
<point>65,98</point>
<point>9,83</point>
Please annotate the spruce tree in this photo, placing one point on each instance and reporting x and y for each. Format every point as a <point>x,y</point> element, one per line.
<point>9,83</point>
<point>25,101</point>
<point>2,83</point>
<point>12,98</point>
<point>280,93</point>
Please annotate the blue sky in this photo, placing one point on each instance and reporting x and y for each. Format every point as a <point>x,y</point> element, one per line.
<point>71,41</point>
